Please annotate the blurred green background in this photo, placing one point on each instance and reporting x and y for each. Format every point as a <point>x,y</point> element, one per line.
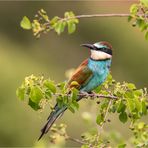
<point>51,55</point>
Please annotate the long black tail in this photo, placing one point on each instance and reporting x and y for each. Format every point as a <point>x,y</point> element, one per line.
<point>54,115</point>
<point>52,118</point>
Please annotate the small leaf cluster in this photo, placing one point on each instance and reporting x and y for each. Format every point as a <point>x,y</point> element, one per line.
<point>139,15</point>
<point>131,103</point>
<point>124,99</point>
<point>140,132</point>
<point>42,24</point>
<point>39,91</point>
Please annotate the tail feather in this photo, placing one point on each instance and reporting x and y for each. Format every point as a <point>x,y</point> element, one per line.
<point>54,115</point>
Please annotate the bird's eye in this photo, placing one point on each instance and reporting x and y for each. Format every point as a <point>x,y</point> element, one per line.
<point>104,49</point>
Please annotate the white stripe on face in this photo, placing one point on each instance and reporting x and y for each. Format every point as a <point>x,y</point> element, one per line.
<point>99,45</point>
<point>99,55</point>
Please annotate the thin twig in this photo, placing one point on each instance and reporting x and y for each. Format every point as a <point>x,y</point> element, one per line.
<point>103,15</point>
<point>99,15</point>
<point>106,113</point>
<point>67,137</point>
<point>92,95</point>
<point>75,140</point>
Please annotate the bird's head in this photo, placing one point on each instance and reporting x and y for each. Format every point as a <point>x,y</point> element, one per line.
<point>100,50</point>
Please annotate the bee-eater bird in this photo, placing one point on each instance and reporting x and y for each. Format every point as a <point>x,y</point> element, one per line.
<point>91,73</point>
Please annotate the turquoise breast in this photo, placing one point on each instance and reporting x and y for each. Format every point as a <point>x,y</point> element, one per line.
<point>100,71</point>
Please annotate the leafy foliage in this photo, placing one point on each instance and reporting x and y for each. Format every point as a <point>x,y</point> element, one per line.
<point>42,23</point>
<point>139,15</point>
<point>124,99</point>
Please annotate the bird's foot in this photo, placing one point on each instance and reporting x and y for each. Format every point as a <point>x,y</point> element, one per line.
<point>91,94</point>
<point>87,94</point>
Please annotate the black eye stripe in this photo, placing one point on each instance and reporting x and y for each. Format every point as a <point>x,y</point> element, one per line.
<point>106,50</point>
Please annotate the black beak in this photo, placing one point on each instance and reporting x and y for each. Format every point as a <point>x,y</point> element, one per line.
<point>90,46</point>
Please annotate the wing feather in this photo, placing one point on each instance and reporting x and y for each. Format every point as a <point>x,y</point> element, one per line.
<point>81,76</point>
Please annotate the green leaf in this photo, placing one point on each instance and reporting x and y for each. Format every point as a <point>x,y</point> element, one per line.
<point>134,9</point>
<point>122,145</point>
<point>20,92</point>
<point>33,105</point>
<point>63,25</point>
<point>129,18</point>
<point>138,93</point>
<point>99,119</point>
<point>121,107</point>
<point>61,85</point>
<point>76,104</point>
<point>71,107</point>
<point>50,85</point>
<point>145,2</point>
<point>123,117</point>
<point>36,94</point>
<point>141,125</point>
<point>48,94</point>
<point>144,108</point>
<point>138,104</point>
<point>142,24</point>
<point>130,104</point>
<point>74,94</point>
<point>54,20</point>
<point>131,86</point>
<point>25,23</point>
<point>59,27</point>
<point>71,27</point>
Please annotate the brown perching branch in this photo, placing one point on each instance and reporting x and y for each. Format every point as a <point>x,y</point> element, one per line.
<point>91,95</point>
<point>99,15</point>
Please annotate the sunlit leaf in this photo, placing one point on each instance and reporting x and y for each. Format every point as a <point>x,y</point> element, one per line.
<point>131,104</point>
<point>144,108</point>
<point>74,94</point>
<point>145,2</point>
<point>50,85</point>
<point>36,94</point>
<point>99,119</point>
<point>138,104</point>
<point>71,27</point>
<point>25,23</point>
<point>134,9</point>
<point>131,86</point>
<point>54,20</point>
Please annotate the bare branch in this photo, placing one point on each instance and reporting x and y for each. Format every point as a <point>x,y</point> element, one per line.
<point>75,140</point>
<point>99,15</point>
<point>94,95</point>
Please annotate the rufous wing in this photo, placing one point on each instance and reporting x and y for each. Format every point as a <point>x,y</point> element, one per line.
<point>81,76</point>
